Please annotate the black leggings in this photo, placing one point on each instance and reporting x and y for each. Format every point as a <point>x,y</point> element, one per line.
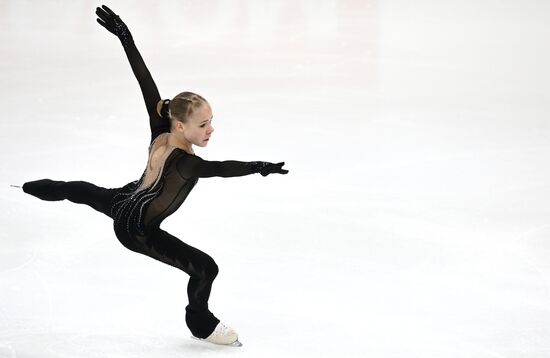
<point>155,243</point>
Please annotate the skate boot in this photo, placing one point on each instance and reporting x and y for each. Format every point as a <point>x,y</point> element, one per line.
<point>223,335</point>
<point>45,189</point>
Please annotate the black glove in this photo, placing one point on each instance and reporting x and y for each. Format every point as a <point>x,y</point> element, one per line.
<point>112,22</point>
<point>266,168</point>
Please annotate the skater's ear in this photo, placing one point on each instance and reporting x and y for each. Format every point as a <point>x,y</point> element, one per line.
<point>178,126</point>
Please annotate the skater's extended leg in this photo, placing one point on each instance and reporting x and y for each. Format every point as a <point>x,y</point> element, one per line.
<point>80,192</point>
<point>164,247</point>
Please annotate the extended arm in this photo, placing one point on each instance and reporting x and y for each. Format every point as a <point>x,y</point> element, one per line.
<point>113,23</point>
<point>190,166</point>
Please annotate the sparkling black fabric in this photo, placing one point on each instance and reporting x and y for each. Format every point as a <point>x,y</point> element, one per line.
<point>137,213</point>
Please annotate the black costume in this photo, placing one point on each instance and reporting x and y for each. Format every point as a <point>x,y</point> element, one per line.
<point>138,211</point>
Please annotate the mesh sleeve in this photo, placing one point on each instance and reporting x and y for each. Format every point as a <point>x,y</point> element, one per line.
<point>190,166</point>
<point>149,90</point>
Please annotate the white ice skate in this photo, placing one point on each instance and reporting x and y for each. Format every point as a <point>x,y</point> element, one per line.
<point>222,335</point>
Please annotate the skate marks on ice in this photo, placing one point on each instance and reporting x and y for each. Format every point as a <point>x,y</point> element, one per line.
<point>121,344</point>
<point>17,262</point>
<point>237,343</point>
<point>127,344</point>
<point>6,350</point>
<point>534,245</point>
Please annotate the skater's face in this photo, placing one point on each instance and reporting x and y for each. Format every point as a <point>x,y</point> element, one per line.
<point>198,129</point>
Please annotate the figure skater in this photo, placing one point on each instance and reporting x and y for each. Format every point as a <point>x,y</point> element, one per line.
<point>172,170</point>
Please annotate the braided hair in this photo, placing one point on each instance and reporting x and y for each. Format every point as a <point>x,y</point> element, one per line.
<point>181,107</point>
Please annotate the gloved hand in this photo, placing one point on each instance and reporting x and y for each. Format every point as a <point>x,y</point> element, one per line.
<point>266,168</point>
<point>112,22</point>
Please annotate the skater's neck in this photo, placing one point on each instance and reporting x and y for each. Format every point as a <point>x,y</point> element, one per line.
<point>174,141</point>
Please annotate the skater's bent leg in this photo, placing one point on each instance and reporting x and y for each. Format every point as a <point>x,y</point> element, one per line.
<point>164,247</point>
<point>80,192</point>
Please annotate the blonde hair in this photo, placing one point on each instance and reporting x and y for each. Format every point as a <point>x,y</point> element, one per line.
<point>181,107</point>
<point>178,109</point>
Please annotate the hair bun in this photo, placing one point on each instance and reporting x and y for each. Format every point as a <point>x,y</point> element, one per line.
<point>165,109</point>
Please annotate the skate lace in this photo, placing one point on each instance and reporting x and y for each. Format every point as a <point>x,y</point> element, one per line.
<point>221,330</point>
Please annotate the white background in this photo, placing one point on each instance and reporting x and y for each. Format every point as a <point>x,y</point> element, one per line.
<point>414,221</point>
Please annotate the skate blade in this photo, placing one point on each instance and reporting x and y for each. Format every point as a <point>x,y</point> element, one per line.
<point>237,343</point>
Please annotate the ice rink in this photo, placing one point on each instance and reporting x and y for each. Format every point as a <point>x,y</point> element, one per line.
<point>414,222</point>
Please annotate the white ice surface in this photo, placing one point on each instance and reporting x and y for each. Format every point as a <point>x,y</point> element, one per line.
<point>414,221</point>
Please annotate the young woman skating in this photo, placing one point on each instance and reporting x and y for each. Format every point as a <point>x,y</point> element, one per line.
<point>172,171</point>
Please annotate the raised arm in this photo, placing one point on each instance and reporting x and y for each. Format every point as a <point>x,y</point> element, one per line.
<point>112,22</point>
<point>190,166</point>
